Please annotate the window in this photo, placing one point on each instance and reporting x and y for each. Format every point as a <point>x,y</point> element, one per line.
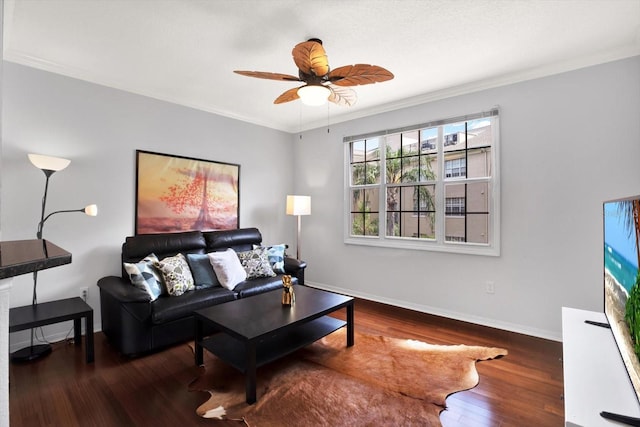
<point>432,186</point>
<point>455,167</point>
<point>454,206</point>
<point>365,171</point>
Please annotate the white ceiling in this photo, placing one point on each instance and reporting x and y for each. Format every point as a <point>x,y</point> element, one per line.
<point>185,51</point>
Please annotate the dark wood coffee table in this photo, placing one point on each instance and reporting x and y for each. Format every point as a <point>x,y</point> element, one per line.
<point>259,329</point>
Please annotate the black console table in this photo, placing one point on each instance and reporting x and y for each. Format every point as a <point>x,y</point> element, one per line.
<point>30,316</point>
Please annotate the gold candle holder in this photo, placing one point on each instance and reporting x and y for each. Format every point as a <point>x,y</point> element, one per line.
<point>288,297</point>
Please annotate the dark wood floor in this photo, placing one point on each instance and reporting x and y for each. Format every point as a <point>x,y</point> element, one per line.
<point>521,389</point>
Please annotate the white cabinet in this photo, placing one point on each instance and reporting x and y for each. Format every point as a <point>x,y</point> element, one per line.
<point>595,378</point>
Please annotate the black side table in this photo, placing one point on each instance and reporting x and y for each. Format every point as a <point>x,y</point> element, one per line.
<point>28,317</point>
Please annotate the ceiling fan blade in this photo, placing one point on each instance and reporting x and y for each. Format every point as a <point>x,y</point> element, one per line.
<point>311,58</point>
<point>270,76</point>
<point>290,95</point>
<point>359,74</point>
<point>342,96</point>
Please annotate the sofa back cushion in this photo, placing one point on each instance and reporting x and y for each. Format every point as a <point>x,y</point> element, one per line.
<point>241,239</point>
<point>162,245</point>
<point>135,248</point>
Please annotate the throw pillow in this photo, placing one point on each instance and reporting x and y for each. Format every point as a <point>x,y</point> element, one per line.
<point>228,269</point>
<point>176,274</point>
<point>202,271</point>
<point>145,276</point>
<point>256,263</point>
<point>275,254</point>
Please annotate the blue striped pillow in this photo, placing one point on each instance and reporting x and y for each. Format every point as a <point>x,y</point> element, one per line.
<point>145,276</point>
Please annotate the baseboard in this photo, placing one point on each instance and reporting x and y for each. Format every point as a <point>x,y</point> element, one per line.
<point>511,327</point>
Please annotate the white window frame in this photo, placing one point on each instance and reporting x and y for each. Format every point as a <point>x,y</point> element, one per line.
<point>439,244</point>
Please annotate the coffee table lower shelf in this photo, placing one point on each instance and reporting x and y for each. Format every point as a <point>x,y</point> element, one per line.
<point>233,351</point>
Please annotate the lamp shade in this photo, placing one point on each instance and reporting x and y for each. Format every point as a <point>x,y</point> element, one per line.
<point>91,210</point>
<point>314,95</point>
<point>298,205</point>
<point>49,163</point>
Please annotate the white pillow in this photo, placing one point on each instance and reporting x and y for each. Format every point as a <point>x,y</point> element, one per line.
<point>228,269</point>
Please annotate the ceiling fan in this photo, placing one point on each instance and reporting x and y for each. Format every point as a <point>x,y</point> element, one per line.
<point>321,83</point>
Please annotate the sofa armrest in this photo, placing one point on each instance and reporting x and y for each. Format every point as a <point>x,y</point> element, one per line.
<point>293,264</point>
<point>122,290</point>
<point>295,267</point>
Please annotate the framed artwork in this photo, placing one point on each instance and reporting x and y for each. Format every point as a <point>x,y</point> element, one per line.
<point>175,193</point>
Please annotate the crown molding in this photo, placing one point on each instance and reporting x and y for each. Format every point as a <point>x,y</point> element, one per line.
<point>477,86</point>
<point>504,80</point>
<point>106,81</point>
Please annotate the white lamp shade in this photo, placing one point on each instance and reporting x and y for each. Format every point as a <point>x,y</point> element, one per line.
<point>298,205</point>
<point>314,95</point>
<point>48,162</point>
<point>91,210</point>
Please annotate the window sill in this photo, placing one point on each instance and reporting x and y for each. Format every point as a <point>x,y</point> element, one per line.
<point>425,245</point>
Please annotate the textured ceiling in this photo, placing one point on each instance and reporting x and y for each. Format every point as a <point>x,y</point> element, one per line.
<point>185,51</point>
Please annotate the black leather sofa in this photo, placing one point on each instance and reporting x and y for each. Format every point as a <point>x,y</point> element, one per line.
<point>135,325</point>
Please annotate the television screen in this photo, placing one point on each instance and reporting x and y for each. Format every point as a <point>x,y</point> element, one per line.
<point>621,280</point>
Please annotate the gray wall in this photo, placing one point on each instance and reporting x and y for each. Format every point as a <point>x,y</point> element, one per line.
<point>568,142</point>
<point>99,129</point>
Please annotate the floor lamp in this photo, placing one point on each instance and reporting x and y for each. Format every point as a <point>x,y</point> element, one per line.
<point>49,165</point>
<point>298,205</point>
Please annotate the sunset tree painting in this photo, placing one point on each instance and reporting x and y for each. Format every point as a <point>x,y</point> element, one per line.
<point>182,194</point>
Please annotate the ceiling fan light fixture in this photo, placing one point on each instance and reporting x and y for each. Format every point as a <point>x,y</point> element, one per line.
<point>322,83</point>
<point>314,95</point>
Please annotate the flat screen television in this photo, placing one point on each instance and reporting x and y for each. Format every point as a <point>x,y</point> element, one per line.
<point>621,259</point>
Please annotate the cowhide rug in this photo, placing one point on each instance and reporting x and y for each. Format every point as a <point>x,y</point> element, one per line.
<point>379,381</point>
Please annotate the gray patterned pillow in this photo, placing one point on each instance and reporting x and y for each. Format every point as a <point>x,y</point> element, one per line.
<point>176,274</point>
<point>145,276</point>
<point>256,263</point>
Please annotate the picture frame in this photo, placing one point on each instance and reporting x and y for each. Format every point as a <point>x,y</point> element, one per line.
<point>177,193</point>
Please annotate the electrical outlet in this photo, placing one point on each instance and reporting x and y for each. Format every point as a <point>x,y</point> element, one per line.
<point>84,294</point>
<point>490,287</point>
